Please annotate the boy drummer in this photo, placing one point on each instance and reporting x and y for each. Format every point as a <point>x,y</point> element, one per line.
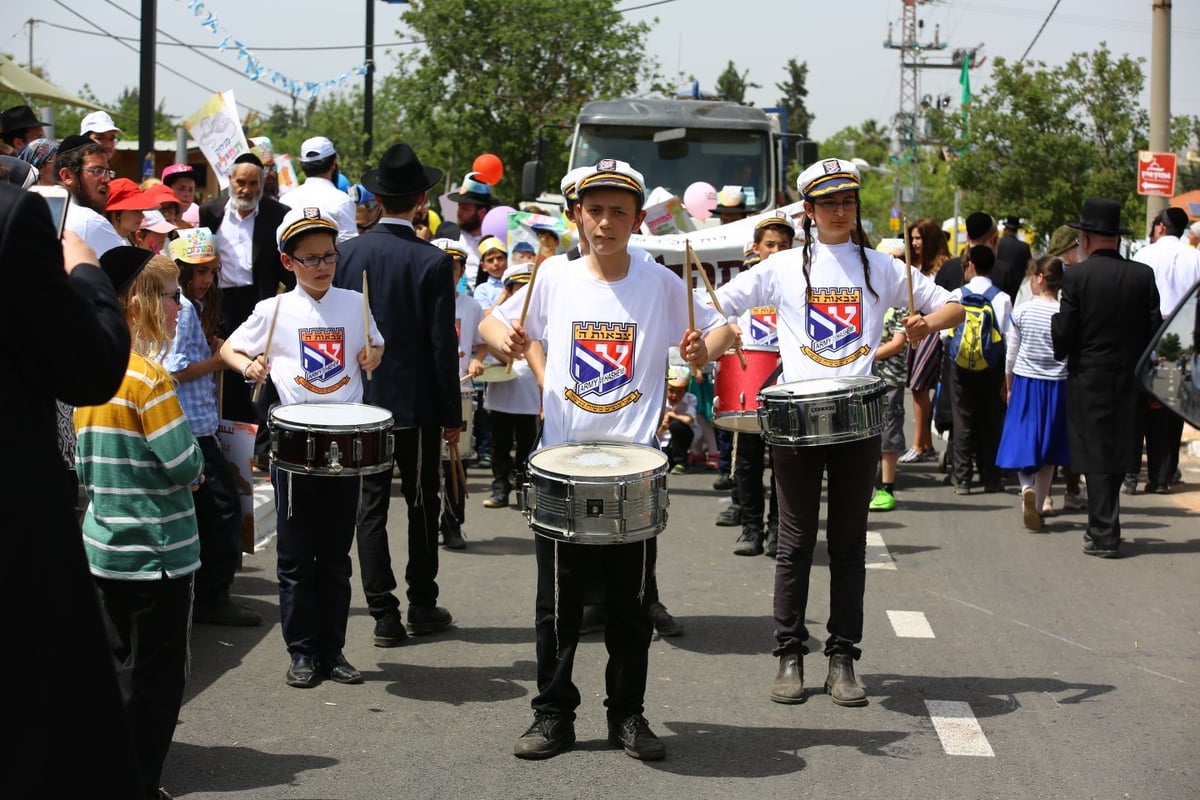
<point>311,332</point>
<point>608,320</point>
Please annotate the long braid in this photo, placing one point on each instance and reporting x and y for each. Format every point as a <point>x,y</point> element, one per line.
<point>862,249</point>
<point>808,223</point>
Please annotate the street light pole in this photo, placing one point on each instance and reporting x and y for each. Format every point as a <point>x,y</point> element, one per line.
<point>1160,93</point>
<point>146,91</point>
<point>369,83</point>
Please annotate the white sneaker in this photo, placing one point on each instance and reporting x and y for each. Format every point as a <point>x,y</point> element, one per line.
<point>1048,507</point>
<point>1075,502</point>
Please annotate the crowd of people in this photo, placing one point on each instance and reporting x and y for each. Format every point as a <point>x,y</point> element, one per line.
<point>252,302</point>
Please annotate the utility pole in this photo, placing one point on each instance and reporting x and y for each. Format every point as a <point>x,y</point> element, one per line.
<point>146,91</point>
<point>30,22</point>
<point>1160,92</point>
<point>369,83</point>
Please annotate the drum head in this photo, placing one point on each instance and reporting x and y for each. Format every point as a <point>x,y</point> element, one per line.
<point>597,459</point>
<point>820,386</point>
<point>331,415</point>
<point>496,373</point>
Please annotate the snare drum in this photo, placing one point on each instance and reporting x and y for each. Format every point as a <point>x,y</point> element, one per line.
<point>735,399</point>
<point>596,492</point>
<point>339,439</point>
<point>466,440</point>
<point>822,411</point>
<point>496,373</point>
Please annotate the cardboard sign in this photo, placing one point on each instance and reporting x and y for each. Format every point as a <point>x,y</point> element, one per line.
<point>1156,173</point>
<point>237,443</point>
<point>218,133</point>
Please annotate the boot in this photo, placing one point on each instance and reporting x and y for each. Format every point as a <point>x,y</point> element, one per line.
<point>788,687</point>
<point>750,543</point>
<point>843,689</point>
<point>771,543</point>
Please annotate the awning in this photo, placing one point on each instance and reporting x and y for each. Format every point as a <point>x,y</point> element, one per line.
<point>17,79</point>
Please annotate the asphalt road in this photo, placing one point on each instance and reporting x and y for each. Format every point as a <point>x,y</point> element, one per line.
<point>1023,670</point>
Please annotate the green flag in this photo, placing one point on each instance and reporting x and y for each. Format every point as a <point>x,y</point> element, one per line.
<point>965,79</point>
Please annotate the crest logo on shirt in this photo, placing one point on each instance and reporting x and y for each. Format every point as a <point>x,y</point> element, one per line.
<point>834,321</point>
<point>602,356</point>
<point>323,359</point>
<point>763,326</point>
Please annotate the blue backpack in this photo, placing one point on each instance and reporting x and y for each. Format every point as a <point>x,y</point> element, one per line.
<point>977,343</point>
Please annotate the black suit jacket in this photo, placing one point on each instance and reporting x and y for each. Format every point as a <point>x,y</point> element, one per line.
<point>265,266</point>
<point>1108,314</point>
<point>411,286</point>
<point>1012,262</point>
<point>76,348</point>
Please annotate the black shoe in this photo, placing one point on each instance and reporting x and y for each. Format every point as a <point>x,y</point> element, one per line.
<point>788,687</point>
<point>843,689</point>
<point>664,623</point>
<point>750,543</point>
<point>633,733</point>
<point>339,670</point>
<point>302,673</point>
<point>225,612</point>
<point>730,517</point>
<point>1091,548</point>
<point>389,630</point>
<point>428,619</point>
<point>549,735</point>
<point>1129,486</point>
<point>594,618</point>
<point>453,539</point>
<point>771,543</point>
<point>723,483</point>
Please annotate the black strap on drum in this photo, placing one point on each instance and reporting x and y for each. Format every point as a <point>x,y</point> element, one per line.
<point>774,376</point>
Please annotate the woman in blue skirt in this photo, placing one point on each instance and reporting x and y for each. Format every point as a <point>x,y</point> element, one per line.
<point>1034,440</point>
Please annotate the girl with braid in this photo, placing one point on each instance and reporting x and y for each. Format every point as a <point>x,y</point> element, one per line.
<point>831,295</point>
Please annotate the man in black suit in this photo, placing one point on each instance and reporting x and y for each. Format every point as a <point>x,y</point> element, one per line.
<point>411,286</point>
<point>69,703</point>
<point>1108,314</point>
<point>245,223</point>
<point>1012,259</point>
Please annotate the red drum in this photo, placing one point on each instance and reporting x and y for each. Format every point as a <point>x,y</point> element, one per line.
<point>735,403</point>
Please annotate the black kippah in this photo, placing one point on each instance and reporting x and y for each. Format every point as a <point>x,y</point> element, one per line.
<point>249,158</point>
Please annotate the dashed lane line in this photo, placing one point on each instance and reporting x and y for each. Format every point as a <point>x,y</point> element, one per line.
<point>910,624</point>
<point>878,556</point>
<point>958,729</point>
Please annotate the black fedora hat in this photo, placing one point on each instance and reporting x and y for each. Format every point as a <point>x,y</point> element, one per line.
<point>18,118</point>
<point>473,192</point>
<point>122,265</point>
<point>400,172</point>
<point>1100,215</point>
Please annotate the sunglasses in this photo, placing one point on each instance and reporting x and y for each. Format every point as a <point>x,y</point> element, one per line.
<point>175,295</point>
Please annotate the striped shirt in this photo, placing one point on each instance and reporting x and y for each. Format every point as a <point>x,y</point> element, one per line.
<point>1030,350</point>
<point>137,457</point>
<point>199,395</point>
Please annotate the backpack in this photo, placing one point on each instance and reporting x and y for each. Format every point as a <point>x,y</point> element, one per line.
<point>977,344</point>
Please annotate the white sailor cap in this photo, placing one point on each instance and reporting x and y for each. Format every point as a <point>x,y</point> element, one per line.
<point>776,218</point>
<point>570,180</point>
<point>452,246</point>
<point>613,174</point>
<point>303,220</point>
<point>827,176</point>
<point>518,273</point>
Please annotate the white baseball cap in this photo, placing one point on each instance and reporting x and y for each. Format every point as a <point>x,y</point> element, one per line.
<point>318,148</point>
<point>98,122</point>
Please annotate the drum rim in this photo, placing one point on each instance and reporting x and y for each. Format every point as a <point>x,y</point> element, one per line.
<point>752,348</point>
<point>274,418</point>
<point>869,383</point>
<point>533,469</point>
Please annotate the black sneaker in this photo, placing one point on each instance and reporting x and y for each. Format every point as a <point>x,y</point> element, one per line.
<point>771,543</point>
<point>730,517</point>
<point>664,623</point>
<point>452,539</point>
<point>633,733</point>
<point>390,631</point>
<point>723,483</point>
<point>750,543</point>
<point>1091,548</point>
<point>549,735</point>
<point>428,619</point>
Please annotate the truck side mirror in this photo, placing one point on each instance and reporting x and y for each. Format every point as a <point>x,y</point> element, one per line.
<point>533,179</point>
<point>1168,369</point>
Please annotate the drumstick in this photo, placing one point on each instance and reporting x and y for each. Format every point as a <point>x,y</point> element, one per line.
<point>737,345</point>
<point>267,351</point>
<point>691,302</point>
<point>524,306</point>
<point>464,378</point>
<point>462,471</point>
<point>908,265</point>
<point>453,448</point>
<point>366,320</point>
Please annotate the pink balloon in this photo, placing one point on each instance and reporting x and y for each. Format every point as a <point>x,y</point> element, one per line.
<point>495,223</point>
<point>700,199</point>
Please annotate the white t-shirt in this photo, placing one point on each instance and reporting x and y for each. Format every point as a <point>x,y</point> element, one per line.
<point>1176,270</point>
<point>606,347</point>
<point>521,395</point>
<point>93,228</point>
<point>838,331</point>
<point>687,405</point>
<point>467,316</point>
<point>315,347</point>
<point>321,193</point>
<point>235,246</point>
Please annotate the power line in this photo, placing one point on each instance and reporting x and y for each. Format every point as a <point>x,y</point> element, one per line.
<point>190,46</point>
<point>1039,30</point>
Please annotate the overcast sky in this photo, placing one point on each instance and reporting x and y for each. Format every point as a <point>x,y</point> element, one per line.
<point>852,76</point>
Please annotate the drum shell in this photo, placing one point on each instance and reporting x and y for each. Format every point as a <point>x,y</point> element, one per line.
<point>341,450</point>
<point>735,390</point>
<point>619,509</point>
<point>466,440</point>
<point>797,414</point>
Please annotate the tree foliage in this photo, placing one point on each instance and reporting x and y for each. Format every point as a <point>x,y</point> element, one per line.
<point>795,98</point>
<point>733,85</point>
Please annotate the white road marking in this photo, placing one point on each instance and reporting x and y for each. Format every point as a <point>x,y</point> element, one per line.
<point>910,624</point>
<point>878,556</point>
<point>957,728</point>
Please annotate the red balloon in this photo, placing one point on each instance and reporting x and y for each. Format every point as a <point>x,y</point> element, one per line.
<point>489,167</point>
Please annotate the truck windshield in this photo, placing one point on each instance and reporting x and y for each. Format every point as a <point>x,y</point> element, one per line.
<point>719,157</point>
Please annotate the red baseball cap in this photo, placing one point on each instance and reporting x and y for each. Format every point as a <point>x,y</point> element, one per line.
<point>124,195</point>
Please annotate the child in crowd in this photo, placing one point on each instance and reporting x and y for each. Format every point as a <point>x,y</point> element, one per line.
<point>678,428</point>
<point>891,365</point>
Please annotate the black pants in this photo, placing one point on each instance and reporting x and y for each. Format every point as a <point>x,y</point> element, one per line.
<point>219,520</point>
<point>237,303</point>
<point>680,443</point>
<point>148,624</point>
<point>978,419</point>
<point>748,478</point>
<point>850,468</point>
<point>1164,434</point>
<point>1104,508</point>
<point>314,522</point>
<point>418,455</point>
<point>724,450</point>
<point>508,430</point>
<point>564,572</point>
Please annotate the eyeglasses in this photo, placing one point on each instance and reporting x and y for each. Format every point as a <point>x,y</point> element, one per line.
<point>312,262</point>
<point>99,172</point>
<point>105,137</point>
<point>849,204</point>
<point>175,295</point>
